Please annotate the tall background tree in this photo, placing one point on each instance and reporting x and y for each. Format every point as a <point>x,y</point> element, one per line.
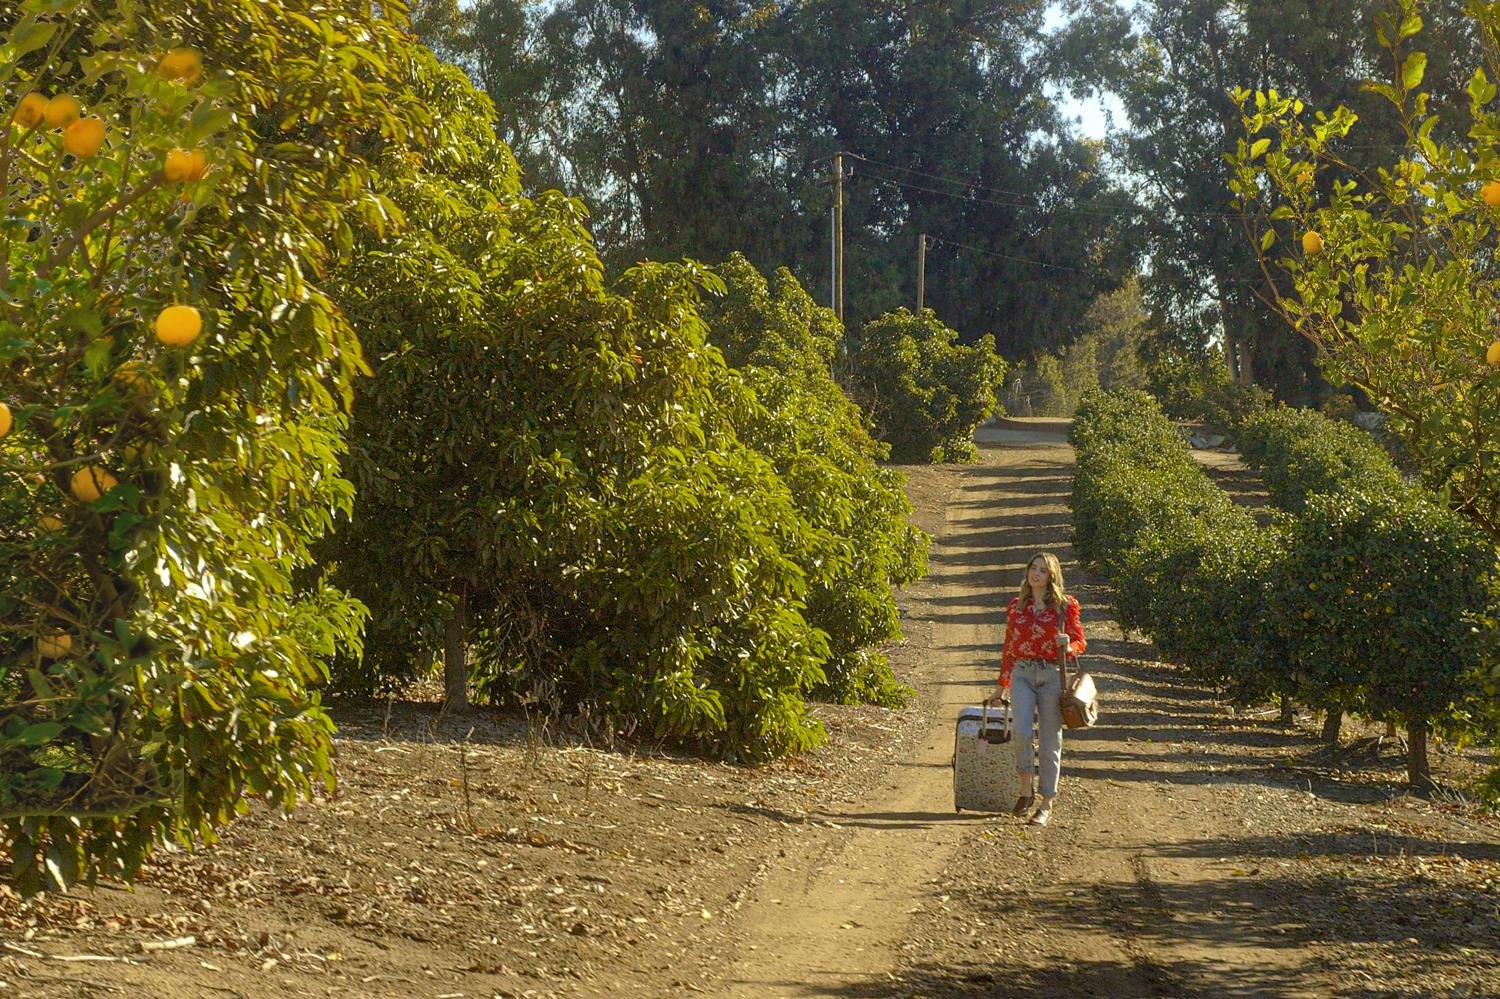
<point>701,129</point>
<point>1173,64</point>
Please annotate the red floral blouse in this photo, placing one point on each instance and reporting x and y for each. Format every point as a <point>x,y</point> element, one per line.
<point>1032,634</point>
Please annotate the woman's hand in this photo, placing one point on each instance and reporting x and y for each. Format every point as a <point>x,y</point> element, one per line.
<point>1062,641</point>
<point>998,696</point>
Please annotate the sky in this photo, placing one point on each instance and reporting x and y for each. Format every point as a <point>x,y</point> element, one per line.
<point>1094,115</point>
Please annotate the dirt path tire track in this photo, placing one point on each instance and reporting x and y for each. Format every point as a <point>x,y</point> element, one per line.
<point>832,917</point>
<point>1175,866</point>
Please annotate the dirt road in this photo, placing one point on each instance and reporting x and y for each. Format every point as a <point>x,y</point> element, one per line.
<point>1186,857</point>
<point>1193,853</point>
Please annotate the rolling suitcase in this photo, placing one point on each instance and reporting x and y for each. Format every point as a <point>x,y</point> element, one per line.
<point>984,761</point>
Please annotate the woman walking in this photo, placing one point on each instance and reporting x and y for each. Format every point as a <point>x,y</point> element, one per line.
<point>1040,622</point>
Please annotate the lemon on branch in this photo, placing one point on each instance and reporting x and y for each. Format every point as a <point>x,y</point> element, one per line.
<point>183,166</point>
<point>84,137</point>
<point>90,482</point>
<point>55,645</point>
<point>5,419</point>
<point>178,325</point>
<point>62,111</point>
<point>1491,193</point>
<point>182,63</point>
<point>131,376</point>
<point>29,111</point>
<point>1312,242</point>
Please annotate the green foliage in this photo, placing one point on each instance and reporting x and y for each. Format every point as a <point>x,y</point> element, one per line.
<point>1367,597</point>
<point>1386,613</point>
<point>1198,387</point>
<point>1300,452</point>
<point>1106,356</point>
<point>782,343</point>
<point>925,392</point>
<point>1186,564</point>
<point>565,481</point>
<point>711,127</point>
<point>1172,65</point>
<point>1401,300</point>
<point>184,686</point>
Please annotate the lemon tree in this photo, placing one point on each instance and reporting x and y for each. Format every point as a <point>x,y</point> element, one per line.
<point>1388,270</point>
<point>175,379</point>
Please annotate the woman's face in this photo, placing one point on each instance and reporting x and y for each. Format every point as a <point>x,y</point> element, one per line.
<point>1038,576</point>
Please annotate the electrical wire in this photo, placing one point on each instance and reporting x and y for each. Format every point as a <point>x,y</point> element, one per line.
<point>935,240</point>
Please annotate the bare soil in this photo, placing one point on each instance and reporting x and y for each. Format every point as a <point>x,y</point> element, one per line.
<point>1194,852</point>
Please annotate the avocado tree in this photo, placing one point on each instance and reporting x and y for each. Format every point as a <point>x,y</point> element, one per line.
<point>174,379</point>
<point>924,391</point>
<point>783,345</point>
<point>551,487</point>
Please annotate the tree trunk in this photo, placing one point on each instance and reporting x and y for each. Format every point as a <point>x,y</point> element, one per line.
<point>1390,730</point>
<point>1418,769</point>
<point>1333,723</point>
<point>1288,711</point>
<point>456,659</point>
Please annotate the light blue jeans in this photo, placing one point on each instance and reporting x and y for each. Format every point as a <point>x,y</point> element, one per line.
<point>1036,683</point>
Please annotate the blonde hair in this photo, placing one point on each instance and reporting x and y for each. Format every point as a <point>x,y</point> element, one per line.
<point>1055,596</point>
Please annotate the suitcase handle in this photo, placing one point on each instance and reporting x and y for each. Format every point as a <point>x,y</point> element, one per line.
<point>984,720</point>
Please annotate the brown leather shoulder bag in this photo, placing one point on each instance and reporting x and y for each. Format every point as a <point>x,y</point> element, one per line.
<point>1080,698</point>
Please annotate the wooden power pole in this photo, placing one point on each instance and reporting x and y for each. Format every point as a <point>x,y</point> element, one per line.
<point>921,272</point>
<point>838,236</point>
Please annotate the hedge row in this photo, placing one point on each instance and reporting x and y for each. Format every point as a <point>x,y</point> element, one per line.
<point>1370,598</point>
<point>1187,565</point>
<point>1301,452</point>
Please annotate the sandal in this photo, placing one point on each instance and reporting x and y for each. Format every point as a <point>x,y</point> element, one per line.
<point>1040,817</point>
<point>1023,805</point>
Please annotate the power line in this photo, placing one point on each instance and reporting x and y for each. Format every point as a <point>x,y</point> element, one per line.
<point>1031,205</point>
<point>974,199</point>
<point>1094,272</point>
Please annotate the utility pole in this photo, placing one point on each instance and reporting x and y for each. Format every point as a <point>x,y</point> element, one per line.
<point>833,258</point>
<point>921,272</point>
<point>838,236</point>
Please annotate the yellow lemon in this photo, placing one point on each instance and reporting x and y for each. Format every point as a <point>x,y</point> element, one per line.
<point>178,325</point>
<point>90,482</point>
<point>1491,193</point>
<point>1492,356</point>
<point>84,137</point>
<point>5,419</point>
<point>29,111</point>
<point>183,166</point>
<point>51,523</point>
<point>1312,242</point>
<point>55,645</point>
<point>61,111</point>
<point>181,63</point>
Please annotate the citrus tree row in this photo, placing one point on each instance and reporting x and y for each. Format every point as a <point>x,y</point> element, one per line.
<point>298,383</point>
<point>1370,597</point>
